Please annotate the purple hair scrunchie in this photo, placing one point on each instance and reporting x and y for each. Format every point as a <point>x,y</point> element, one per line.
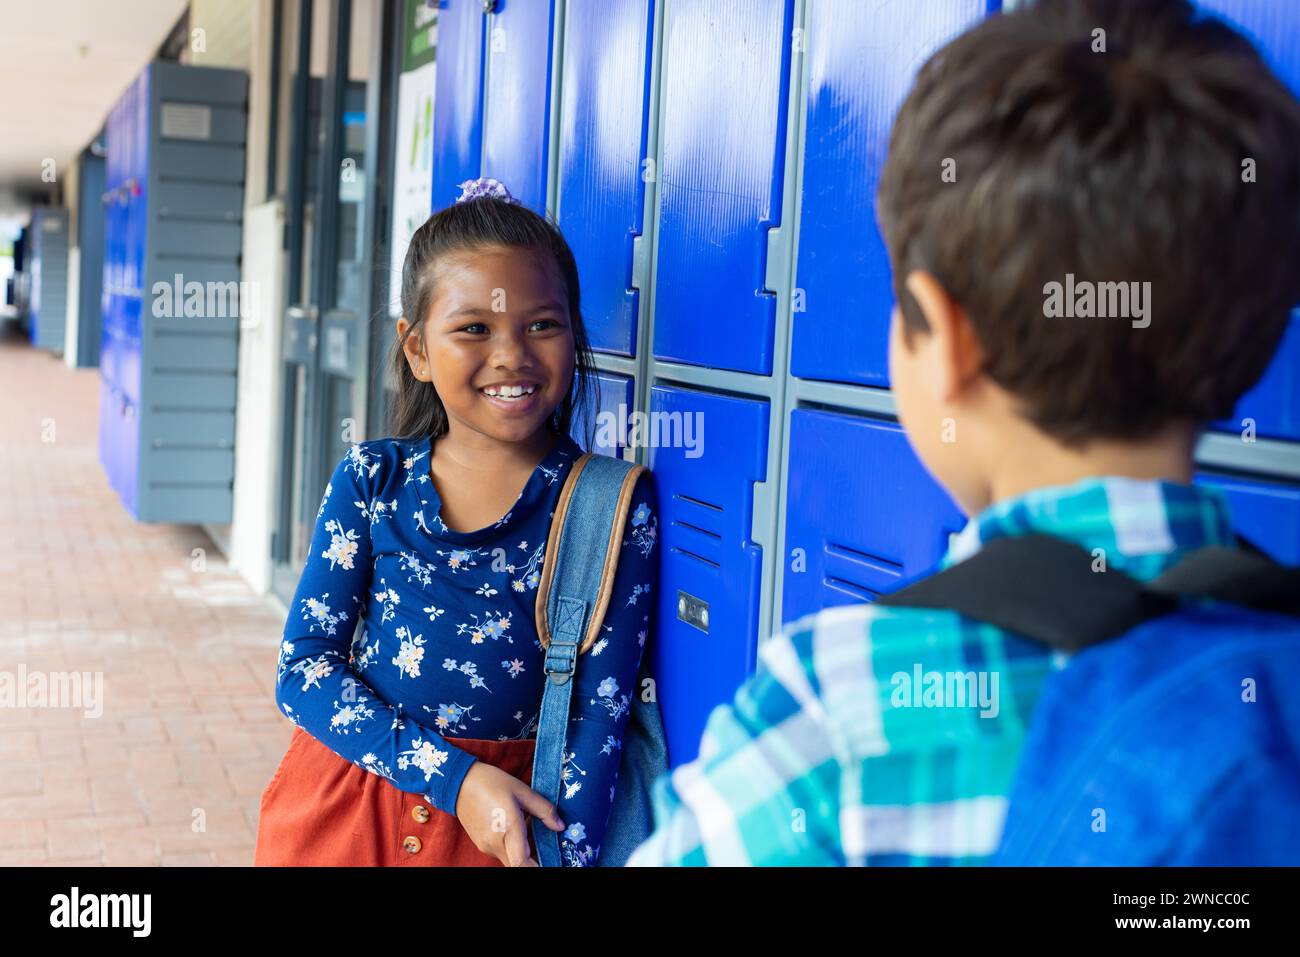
<point>484,186</point>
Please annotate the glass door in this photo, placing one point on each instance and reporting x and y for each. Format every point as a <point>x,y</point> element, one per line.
<point>339,89</point>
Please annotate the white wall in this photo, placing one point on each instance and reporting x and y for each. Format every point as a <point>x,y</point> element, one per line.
<point>74,299</point>
<point>228,32</point>
<point>257,408</point>
<point>247,543</point>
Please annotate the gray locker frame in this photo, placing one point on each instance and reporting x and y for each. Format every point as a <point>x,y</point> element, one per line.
<point>174,82</point>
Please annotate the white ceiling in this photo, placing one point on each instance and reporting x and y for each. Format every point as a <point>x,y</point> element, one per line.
<point>62,65</point>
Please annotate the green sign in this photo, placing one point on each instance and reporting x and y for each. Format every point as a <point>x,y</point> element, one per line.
<point>420,36</point>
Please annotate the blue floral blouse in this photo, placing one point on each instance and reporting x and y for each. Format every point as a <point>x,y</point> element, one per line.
<point>445,642</point>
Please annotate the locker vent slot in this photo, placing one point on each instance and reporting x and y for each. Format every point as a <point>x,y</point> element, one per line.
<point>698,558</point>
<point>851,589</point>
<point>874,562</point>
<point>696,501</point>
<point>859,574</point>
<point>696,528</point>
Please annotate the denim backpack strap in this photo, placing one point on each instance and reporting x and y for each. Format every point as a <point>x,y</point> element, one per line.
<point>577,577</point>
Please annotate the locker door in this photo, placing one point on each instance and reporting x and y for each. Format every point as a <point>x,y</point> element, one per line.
<point>517,115</point>
<point>603,111</point>
<point>603,429</point>
<point>1267,513</point>
<point>1274,27</point>
<point>1274,403</point>
<point>106,295</point>
<point>110,412</point>
<point>862,515</point>
<point>709,569</point>
<point>458,101</point>
<point>34,270</point>
<point>134,213</point>
<point>862,58</point>
<point>136,193</point>
<point>105,426</point>
<point>726,66</point>
<point>130,407</point>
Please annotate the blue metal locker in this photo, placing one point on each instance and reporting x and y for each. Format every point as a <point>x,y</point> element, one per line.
<point>120,368</point>
<point>1274,403</point>
<point>118,286</point>
<point>604,105</point>
<point>724,93</point>
<point>863,517</point>
<point>516,120</point>
<point>458,102</point>
<point>17,286</point>
<point>862,58</point>
<point>1267,513</point>
<point>602,429</point>
<point>1274,27</point>
<point>709,566</point>
<point>132,408</point>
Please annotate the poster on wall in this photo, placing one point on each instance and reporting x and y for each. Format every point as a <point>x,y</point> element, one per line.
<point>413,155</point>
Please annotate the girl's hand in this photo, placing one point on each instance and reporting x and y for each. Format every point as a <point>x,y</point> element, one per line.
<point>494,807</point>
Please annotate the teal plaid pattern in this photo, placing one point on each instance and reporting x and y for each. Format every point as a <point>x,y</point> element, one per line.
<point>822,757</point>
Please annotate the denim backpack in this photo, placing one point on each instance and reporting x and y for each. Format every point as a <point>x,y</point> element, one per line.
<point>582,555</point>
<point>1171,736</point>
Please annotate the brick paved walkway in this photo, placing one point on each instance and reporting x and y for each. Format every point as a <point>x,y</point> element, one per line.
<point>172,770</point>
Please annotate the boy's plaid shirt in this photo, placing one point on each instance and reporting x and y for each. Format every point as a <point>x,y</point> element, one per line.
<point>824,758</point>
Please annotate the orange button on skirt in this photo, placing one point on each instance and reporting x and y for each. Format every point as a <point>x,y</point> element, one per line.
<point>321,810</point>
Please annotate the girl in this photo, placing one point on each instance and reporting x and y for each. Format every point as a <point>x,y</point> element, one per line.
<point>414,737</point>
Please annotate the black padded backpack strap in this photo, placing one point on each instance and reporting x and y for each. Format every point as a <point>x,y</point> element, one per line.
<point>1045,588</point>
<point>1041,587</point>
<point>1243,576</point>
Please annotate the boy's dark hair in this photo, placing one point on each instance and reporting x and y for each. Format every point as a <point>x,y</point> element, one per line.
<point>476,224</point>
<point>1173,157</point>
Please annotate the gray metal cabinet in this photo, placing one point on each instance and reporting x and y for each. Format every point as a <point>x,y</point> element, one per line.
<point>171,293</point>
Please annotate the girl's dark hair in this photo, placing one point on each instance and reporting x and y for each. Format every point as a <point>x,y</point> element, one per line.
<point>474,224</point>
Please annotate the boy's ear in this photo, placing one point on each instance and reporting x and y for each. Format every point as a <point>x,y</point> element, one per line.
<point>954,355</point>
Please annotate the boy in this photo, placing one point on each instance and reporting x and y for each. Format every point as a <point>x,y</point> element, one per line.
<point>1101,280</point>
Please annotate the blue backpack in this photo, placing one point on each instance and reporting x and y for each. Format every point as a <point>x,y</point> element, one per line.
<point>1172,734</point>
<point>583,549</point>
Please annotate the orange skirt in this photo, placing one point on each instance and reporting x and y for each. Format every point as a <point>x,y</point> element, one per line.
<point>321,810</point>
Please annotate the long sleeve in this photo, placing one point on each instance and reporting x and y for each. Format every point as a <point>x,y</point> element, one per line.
<point>317,686</point>
<point>755,795</point>
<point>604,683</point>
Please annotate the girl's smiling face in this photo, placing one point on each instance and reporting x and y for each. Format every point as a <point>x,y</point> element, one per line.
<point>498,324</point>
